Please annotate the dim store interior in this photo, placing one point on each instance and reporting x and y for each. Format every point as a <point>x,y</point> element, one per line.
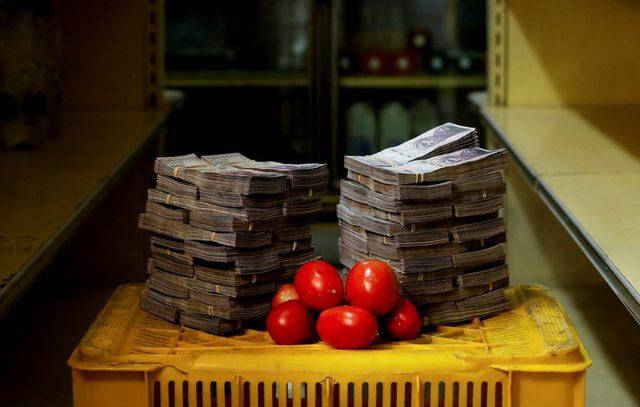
<point>118,84</point>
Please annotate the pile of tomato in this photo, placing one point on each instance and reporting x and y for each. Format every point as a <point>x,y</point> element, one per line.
<point>345,316</point>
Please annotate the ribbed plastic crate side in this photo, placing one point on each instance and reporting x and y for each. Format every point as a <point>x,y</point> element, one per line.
<point>487,387</point>
<point>173,387</point>
<point>527,357</point>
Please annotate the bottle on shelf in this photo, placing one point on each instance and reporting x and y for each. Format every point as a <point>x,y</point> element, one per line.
<point>395,124</point>
<point>467,63</point>
<point>373,62</point>
<point>437,63</point>
<point>361,129</point>
<point>420,40</point>
<point>424,115</point>
<point>347,62</point>
<point>403,62</point>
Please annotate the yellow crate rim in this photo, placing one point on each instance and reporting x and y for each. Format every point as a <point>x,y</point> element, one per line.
<point>535,336</point>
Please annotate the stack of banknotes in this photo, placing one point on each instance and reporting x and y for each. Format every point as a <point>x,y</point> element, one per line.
<point>225,230</point>
<point>432,209</point>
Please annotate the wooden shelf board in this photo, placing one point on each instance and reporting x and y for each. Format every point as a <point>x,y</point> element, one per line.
<point>585,165</point>
<point>232,79</point>
<point>411,81</point>
<point>47,192</point>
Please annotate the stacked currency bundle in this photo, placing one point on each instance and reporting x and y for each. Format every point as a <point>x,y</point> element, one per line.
<point>225,231</point>
<point>432,209</point>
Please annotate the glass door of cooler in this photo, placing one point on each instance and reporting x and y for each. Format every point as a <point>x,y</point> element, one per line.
<point>403,67</point>
<point>245,69</point>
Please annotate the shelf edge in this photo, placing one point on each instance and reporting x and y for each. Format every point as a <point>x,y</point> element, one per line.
<point>20,282</point>
<point>627,294</point>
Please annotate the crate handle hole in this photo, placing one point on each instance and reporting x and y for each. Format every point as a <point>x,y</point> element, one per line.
<point>199,396</point>
<point>408,392</point>
<point>274,393</point>
<point>394,393</point>
<point>379,394</point>
<point>427,394</point>
<point>455,393</point>
<point>246,391</point>
<point>318,400</point>
<point>442,388</point>
<point>483,394</point>
<point>157,401</point>
<point>304,401</point>
<point>213,388</point>
<point>185,393</point>
<point>470,394</point>
<point>171,387</point>
<point>499,394</point>
<point>365,394</point>
<point>336,395</point>
<point>351,394</point>
<point>261,394</point>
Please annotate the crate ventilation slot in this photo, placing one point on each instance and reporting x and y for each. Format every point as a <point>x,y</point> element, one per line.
<point>374,394</point>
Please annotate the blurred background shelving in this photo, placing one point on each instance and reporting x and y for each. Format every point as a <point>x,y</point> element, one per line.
<point>414,82</point>
<point>77,128</point>
<point>236,61</point>
<point>298,68</point>
<point>225,79</point>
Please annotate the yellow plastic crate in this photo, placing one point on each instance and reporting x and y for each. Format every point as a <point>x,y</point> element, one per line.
<point>530,356</point>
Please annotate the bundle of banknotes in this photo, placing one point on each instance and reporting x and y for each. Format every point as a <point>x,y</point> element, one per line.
<point>432,209</point>
<point>225,231</point>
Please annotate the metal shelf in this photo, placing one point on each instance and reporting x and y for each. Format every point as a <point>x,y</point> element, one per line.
<point>584,165</point>
<point>234,79</point>
<point>411,81</point>
<point>56,186</point>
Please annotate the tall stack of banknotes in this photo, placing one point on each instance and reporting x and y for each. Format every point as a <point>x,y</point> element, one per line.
<point>432,209</point>
<point>225,230</point>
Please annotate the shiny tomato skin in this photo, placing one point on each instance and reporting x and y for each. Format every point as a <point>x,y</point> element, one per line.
<point>319,285</point>
<point>286,292</point>
<point>290,323</point>
<point>347,327</point>
<point>403,322</point>
<point>373,285</point>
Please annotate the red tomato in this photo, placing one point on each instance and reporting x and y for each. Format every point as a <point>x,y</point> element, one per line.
<point>286,292</point>
<point>373,285</point>
<point>319,285</point>
<point>403,322</point>
<point>290,323</point>
<point>347,327</point>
